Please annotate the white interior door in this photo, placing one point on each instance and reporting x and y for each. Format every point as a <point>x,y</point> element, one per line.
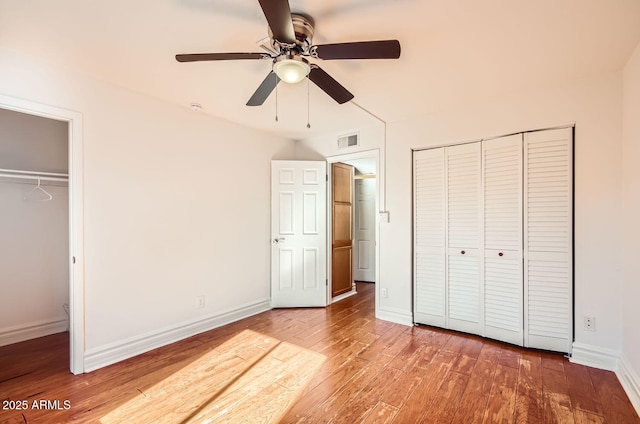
<point>503,280</point>
<point>465,297</point>
<point>298,233</point>
<point>430,237</point>
<point>548,239</point>
<point>365,231</point>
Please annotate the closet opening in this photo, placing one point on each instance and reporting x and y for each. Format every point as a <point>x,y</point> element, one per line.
<point>40,223</point>
<point>34,223</point>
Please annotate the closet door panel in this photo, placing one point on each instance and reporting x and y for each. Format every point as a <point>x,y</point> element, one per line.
<point>464,295</point>
<point>464,238</point>
<point>429,239</point>
<point>503,279</point>
<point>548,235</point>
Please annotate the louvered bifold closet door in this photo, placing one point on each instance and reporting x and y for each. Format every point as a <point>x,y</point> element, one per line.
<point>503,279</point>
<point>464,238</point>
<point>548,273</point>
<point>429,237</point>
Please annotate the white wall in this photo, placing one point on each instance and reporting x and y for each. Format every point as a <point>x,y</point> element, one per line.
<point>33,143</point>
<point>176,205</point>
<point>595,107</point>
<point>371,137</point>
<point>34,265</point>
<point>631,208</point>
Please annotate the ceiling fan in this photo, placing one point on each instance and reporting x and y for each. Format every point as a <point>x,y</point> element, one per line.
<point>291,35</point>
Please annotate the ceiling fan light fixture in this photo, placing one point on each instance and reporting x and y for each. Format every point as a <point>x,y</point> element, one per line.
<point>291,69</point>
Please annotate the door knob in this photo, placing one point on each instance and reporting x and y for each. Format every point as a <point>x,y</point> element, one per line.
<point>462,252</point>
<point>278,240</point>
<point>500,254</point>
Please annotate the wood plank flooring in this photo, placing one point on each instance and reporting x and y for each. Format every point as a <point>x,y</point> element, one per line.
<point>371,372</point>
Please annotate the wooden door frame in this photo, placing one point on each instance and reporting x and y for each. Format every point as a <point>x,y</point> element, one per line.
<point>76,218</point>
<point>366,154</point>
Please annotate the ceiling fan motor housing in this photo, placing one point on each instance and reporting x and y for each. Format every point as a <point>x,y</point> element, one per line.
<point>303,26</point>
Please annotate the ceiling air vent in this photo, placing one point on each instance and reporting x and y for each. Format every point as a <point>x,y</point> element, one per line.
<point>351,140</point>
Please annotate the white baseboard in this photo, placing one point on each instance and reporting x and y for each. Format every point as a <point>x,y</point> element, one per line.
<point>399,316</point>
<point>124,349</point>
<point>344,296</point>
<point>594,356</point>
<point>33,330</point>
<point>630,382</point>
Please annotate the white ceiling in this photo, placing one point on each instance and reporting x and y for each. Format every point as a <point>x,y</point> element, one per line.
<point>452,51</point>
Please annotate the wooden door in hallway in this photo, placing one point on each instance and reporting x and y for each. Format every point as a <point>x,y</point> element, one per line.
<point>342,231</point>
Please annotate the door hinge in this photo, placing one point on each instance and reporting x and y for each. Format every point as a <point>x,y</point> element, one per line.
<point>326,177</point>
<point>74,259</point>
<point>326,282</point>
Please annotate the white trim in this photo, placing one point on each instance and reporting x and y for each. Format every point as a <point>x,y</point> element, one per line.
<point>34,330</point>
<point>76,217</point>
<point>594,356</point>
<point>362,154</point>
<point>344,296</point>
<point>124,349</point>
<point>399,316</point>
<point>630,382</point>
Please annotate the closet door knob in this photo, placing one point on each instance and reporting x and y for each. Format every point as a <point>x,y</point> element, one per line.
<point>462,252</point>
<point>500,254</point>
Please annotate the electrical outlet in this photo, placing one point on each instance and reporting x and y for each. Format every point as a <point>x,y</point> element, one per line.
<point>590,323</point>
<point>200,302</point>
<point>383,292</point>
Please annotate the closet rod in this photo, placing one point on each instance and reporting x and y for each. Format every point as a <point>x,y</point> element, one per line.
<point>32,177</point>
<point>33,173</point>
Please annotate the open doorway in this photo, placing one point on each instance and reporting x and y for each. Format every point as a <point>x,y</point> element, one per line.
<point>41,181</point>
<point>363,229</point>
<point>34,223</point>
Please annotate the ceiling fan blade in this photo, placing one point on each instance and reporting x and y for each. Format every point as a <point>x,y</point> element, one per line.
<point>385,49</point>
<point>264,90</point>
<point>278,14</point>
<point>198,57</point>
<point>329,85</point>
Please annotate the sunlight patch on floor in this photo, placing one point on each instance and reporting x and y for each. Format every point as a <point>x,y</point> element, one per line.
<point>250,378</point>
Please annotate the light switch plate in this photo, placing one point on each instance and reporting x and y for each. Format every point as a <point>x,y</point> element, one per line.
<point>384,216</point>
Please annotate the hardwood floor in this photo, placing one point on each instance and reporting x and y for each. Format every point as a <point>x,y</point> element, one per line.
<point>373,372</point>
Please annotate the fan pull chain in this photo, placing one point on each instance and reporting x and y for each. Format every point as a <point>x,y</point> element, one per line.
<point>308,105</point>
<point>277,99</point>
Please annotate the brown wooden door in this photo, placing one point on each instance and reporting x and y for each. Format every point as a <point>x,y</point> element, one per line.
<point>341,233</point>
